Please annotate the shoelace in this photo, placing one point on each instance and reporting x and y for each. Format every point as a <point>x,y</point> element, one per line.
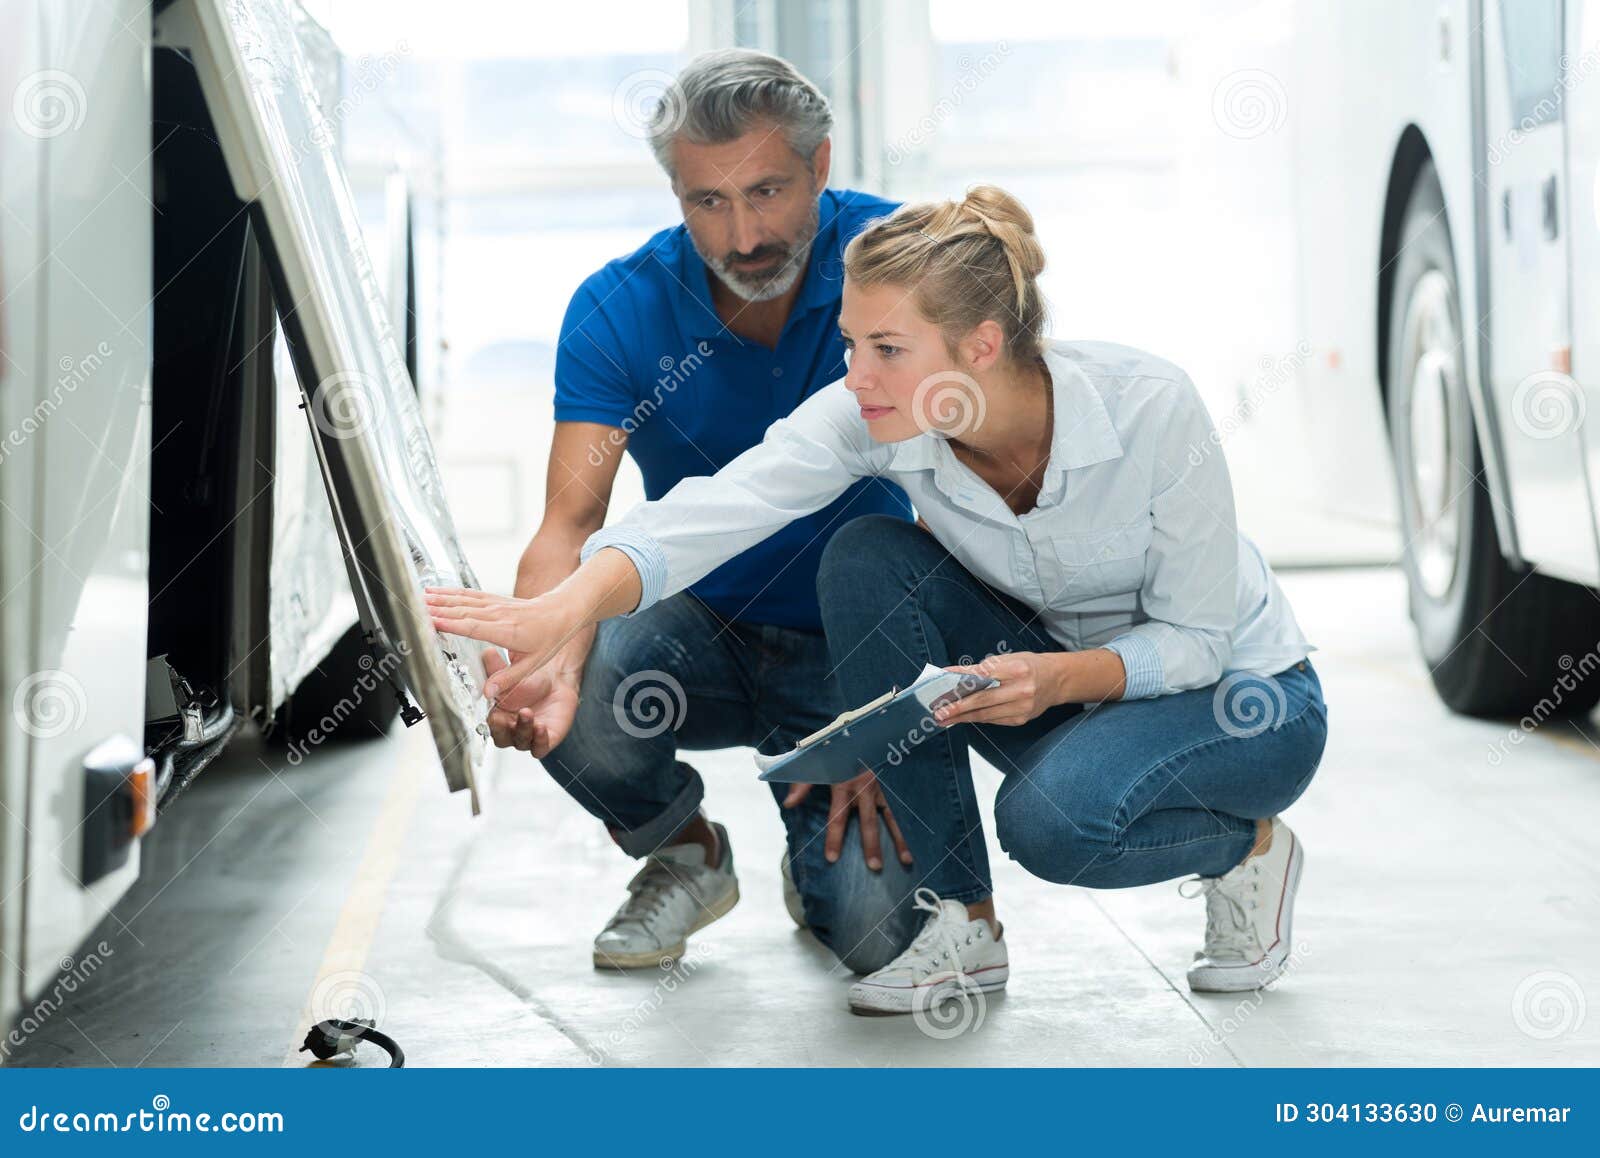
<point>647,894</point>
<point>1229,931</point>
<point>940,930</point>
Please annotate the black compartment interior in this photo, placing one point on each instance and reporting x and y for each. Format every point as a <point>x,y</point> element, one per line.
<point>201,234</point>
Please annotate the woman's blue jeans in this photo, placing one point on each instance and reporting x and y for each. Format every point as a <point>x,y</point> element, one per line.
<point>1102,795</point>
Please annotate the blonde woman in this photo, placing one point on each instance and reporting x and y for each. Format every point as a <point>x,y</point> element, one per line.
<point>1156,709</point>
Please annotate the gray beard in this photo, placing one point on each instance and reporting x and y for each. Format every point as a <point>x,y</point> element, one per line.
<point>766,287</point>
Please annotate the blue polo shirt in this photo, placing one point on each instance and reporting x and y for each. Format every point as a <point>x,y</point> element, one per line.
<point>642,349</point>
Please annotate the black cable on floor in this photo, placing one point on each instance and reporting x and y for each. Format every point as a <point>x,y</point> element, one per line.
<point>330,1038</point>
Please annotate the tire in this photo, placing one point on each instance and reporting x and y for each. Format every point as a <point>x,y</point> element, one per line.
<point>1497,640</point>
<point>334,701</point>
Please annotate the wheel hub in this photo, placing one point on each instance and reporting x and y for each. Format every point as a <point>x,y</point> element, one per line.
<point>1433,453</point>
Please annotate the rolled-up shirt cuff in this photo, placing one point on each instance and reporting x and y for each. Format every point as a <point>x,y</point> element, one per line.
<point>1145,676</point>
<point>648,559</point>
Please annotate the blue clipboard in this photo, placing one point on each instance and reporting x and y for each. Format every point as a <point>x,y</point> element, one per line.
<point>875,734</point>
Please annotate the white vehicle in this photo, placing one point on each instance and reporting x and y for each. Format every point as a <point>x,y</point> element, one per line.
<point>191,531</point>
<point>1449,272</point>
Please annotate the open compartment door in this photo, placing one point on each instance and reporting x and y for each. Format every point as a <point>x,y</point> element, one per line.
<point>377,461</point>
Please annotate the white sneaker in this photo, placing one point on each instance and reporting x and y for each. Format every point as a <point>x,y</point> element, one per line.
<point>1249,918</point>
<point>674,894</point>
<point>951,952</point>
<point>791,895</point>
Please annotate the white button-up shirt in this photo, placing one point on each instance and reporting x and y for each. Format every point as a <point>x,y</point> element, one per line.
<point>1132,544</point>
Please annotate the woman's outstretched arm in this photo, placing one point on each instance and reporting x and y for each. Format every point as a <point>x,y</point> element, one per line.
<point>607,584</point>
<point>659,548</point>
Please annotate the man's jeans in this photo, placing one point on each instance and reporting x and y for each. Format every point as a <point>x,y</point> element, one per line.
<point>678,677</point>
<point>1106,796</point>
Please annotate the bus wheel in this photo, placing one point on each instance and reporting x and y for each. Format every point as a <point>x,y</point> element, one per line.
<point>1498,641</point>
<point>342,696</point>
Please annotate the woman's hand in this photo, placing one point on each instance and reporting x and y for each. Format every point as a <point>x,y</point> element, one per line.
<point>1032,682</point>
<point>1029,685</point>
<point>533,629</point>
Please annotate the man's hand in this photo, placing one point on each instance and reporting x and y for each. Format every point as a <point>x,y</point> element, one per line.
<point>863,796</point>
<point>537,702</point>
<point>534,715</point>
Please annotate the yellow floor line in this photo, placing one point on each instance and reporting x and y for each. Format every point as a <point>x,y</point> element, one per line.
<point>1576,743</point>
<point>363,905</point>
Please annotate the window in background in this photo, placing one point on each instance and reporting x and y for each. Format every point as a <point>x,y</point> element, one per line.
<point>1068,107</point>
<point>1092,114</point>
<point>544,175</point>
<point>1532,32</point>
<point>824,40</point>
<point>1162,229</point>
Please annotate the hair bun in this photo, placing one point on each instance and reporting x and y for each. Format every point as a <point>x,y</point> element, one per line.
<point>970,260</point>
<point>1009,221</point>
<point>995,203</point>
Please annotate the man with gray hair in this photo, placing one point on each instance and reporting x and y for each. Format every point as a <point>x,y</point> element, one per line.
<point>682,354</point>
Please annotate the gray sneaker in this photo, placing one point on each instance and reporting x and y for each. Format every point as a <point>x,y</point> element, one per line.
<point>674,894</point>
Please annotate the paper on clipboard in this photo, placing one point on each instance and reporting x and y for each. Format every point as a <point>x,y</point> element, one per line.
<point>933,688</point>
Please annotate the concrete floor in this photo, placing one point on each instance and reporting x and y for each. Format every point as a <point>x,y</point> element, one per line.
<point>1450,915</point>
